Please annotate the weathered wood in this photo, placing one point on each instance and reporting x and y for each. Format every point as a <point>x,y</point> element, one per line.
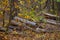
<point>25,21</point>
<point>40,29</point>
<point>52,22</point>
<point>17,23</point>
<point>24,25</point>
<point>2,29</point>
<point>33,23</point>
<point>49,14</point>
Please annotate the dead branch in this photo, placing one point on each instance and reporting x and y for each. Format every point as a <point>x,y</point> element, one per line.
<point>49,14</point>
<point>52,22</point>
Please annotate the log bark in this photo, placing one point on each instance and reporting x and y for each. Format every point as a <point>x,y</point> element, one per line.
<point>38,30</point>
<point>25,21</point>
<point>52,22</point>
<point>2,29</point>
<point>29,28</point>
<point>33,23</point>
<point>49,14</point>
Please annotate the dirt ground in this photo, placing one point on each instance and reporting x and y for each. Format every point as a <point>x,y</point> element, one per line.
<point>31,36</point>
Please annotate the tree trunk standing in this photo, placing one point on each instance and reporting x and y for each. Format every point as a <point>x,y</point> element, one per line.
<point>58,10</point>
<point>13,10</point>
<point>53,6</point>
<point>12,13</point>
<point>48,4</point>
<point>58,6</point>
<point>3,18</point>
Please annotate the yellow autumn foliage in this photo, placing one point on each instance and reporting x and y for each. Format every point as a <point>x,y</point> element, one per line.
<point>27,17</point>
<point>43,1</point>
<point>5,3</point>
<point>1,14</point>
<point>20,15</point>
<point>37,6</point>
<point>16,6</point>
<point>22,2</point>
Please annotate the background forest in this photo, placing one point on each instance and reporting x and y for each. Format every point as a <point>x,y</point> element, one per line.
<point>29,20</point>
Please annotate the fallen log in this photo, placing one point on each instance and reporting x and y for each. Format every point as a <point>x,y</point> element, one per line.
<point>11,32</point>
<point>51,16</point>
<point>25,21</point>
<point>33,23</point>
<point>52,22</point>
<point>2,29</point>
<point>38,30</point>
<point>24,25</point>
<point>29,28</point>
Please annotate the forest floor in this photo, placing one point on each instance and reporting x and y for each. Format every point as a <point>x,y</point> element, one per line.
<point>32,35</point>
